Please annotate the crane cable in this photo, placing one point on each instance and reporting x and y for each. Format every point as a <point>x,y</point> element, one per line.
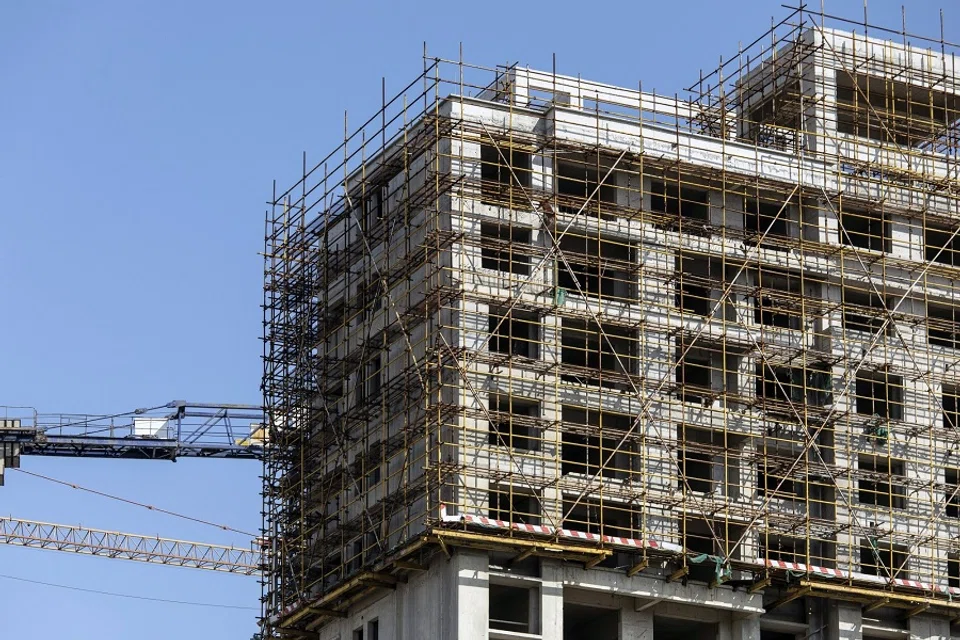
<point>126,595</point>
<point>137,504</point>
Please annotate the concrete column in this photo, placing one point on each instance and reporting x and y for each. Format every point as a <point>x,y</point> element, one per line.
<point>635,625</point>
<point>745,628</point>
<point>467,617</point>
<point>843,621</point>
<point>929,628</point>
<point>551,599</point>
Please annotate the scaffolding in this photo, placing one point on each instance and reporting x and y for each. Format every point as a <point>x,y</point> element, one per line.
<point>516,307</point>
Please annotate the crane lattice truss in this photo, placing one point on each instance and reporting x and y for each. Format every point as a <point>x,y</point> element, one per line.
<point>174,430</point>
<point>128,546</point>
<point>524,305</point>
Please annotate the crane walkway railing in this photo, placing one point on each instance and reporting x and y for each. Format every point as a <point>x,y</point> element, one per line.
<point>167,432</point>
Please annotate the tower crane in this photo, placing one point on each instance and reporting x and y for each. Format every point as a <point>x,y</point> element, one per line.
<point>173,430</point>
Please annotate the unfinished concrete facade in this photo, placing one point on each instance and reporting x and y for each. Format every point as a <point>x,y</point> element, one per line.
<point>546,358</point>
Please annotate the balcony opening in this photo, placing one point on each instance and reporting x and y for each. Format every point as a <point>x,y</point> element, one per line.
<point>884,559</point>
<point>879,394</point>
<point>864,311</point>
<point>953,570</point>
<point>590,350</point>
<point>578,182</point>
<point>941,245</point>
<point>502,173</point>
<point>513,422</point>
<point>602,268</point>
<point>770,218</point>
<point>514,333</point>
<point>512,608</point>
<point>881,482</point>
<point>865,229</point>
<point>509,504</point>
<point>942,325</point>
<point>505,248</point>
<point>591,443</point>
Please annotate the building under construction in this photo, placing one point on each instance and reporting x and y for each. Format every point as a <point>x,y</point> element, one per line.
<point>549,358</point>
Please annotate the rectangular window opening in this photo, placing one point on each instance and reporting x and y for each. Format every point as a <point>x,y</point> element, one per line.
<point>694,377</point>
<point>770,218</point>
<point>505,173</point>
<point>602,268</point>
<point>942,245</point>
<point>696,278</point>
<point>687,202</point>
<point>596,349</point>
<point>514,333</point>
<point>599,518</point>
<point>865,230</point>
<point>893,111</point>
<point>578,182</point>
<point>508,504</point>
<point>952,493</point>
<point>884,559</point>
<point>783,548</point>
<point>951,409</point>
<point>513,422</point>
<point>880,395</point>
<point>665,628</point>
<point>505,248</point>
<point>880,482</point>
<point>778,300</point>
<point>943,325</point>
<point>510,608</point>
<point>584,450</point>
<point>864,311</point>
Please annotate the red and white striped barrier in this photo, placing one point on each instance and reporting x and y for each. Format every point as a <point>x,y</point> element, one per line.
<point>634,543</point>
<point>551,531</point>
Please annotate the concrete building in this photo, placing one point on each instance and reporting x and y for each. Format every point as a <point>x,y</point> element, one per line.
<point>549,358</point>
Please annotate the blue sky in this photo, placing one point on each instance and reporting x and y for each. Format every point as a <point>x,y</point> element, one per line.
<point>137,148</point>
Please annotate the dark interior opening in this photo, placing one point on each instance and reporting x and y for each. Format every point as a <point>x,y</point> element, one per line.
<point>505,248</point>
<point>880,394</point>
<point>512,422</point>
<point>514,333</point>
<point>882,489</point>
<point>581,622</point>
<point>510,608</point>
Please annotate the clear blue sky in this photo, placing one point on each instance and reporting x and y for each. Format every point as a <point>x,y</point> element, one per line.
<point>137,145</point>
